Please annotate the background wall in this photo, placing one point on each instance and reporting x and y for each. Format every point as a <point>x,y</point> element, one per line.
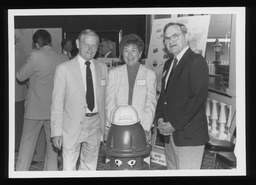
<point>23,38</point>
<point>72,25</point>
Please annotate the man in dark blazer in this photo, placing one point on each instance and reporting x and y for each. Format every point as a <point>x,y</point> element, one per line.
<point>180,110</point>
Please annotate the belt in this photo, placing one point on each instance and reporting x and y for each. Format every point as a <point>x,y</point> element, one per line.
<point>91,114</point>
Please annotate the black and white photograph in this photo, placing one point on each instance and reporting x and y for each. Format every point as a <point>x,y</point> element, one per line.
<point>126,92</point>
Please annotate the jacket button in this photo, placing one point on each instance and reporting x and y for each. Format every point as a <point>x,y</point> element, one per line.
<point>81,122</point>
<point>165,103</point>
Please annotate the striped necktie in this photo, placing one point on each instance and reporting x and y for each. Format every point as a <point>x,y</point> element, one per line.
<point>173,68</point>
<point>174,64</point>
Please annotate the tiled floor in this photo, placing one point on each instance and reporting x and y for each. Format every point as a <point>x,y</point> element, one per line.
<point>206,163</point>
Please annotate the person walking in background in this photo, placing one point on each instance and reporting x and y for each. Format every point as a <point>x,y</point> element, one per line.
<point>39,69</point>
<point>21,89</point>
<point>20,95</point>
<point>106,49</point>
<point>67,47</point>
<point>40,151</point>
<point>132,84</point>
<point>180,109</point>
<point>78,105</point>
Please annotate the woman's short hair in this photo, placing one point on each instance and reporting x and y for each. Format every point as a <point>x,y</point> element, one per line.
<point>89,32</point>
<point>42,38</point>
<point>131,39</point>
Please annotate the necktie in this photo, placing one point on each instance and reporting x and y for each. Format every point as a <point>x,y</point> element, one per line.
<point>89,92</point>
<point>174,64</point>
<point>173,68</point>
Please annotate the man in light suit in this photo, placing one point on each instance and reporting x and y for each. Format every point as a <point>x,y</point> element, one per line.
<point>20,95</point>
<point>78,121</point>
<point>40,69</point>
<point>180,109</point>
<point>132,84</point>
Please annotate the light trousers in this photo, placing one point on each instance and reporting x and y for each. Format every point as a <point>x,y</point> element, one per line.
<point>87,146</point>
<point>30,133</point>
<point>19,119</point>
<point>187,157</point>
<point>40,150</point>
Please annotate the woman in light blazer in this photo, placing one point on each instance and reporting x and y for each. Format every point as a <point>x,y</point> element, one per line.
<point>132,84</point>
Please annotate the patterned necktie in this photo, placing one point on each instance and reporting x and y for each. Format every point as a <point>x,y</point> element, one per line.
<point>174,64</point>
<point>173,68</point>
<point>90,92</point>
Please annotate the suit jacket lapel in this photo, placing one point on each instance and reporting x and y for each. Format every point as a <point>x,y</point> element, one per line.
<point>97,78</point>
<point>183,61</point>
<point>167,67</point>
<point>78,76</point>
<point>125,83</point>
<point>176,73</point>
<point>140,76</point>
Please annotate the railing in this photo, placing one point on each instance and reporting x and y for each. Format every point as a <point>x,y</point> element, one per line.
<point>219,117</point>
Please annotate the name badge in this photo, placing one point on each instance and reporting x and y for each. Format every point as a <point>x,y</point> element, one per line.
<point>103,82</point>
<point>141,82</point>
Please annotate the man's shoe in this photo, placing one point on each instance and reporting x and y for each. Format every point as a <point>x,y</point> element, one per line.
<point>34,162</point>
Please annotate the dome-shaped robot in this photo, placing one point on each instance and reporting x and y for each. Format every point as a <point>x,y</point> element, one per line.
<point>126,145</point>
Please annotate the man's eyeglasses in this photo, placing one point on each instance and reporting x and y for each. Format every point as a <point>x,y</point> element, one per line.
<point>174,37</point>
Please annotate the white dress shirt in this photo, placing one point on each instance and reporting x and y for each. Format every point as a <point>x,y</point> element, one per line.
<point>83,72</point>
<point>179,56</point>
<point>67,53</point>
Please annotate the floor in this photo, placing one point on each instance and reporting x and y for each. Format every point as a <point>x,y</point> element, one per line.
<point>206,163</point>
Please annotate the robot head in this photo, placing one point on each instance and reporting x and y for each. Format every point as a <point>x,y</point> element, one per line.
<point>125,115</point>
<point>126,145</point>
<point>127,163</point>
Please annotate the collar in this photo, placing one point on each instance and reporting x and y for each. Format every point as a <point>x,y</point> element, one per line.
<point>82,61</point>
<point>46,47</point>
<point>65,52</point>
<point>133,68</point>
<point>180,55</point>
<point>107,54</point>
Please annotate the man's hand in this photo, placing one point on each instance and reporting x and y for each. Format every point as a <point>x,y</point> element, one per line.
<point>148,136</point>
<point>57,142</point>
<point>165,128</point>
<point>106,134</point>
